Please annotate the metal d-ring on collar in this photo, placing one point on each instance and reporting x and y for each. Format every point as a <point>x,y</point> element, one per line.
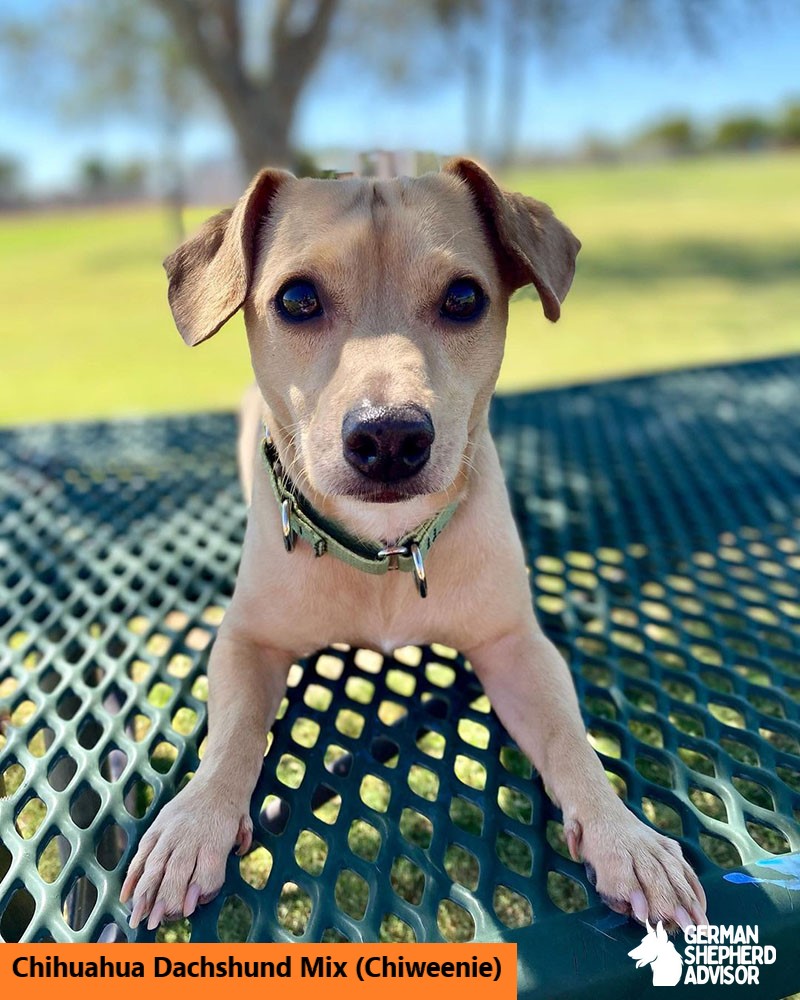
<point>300,519</point>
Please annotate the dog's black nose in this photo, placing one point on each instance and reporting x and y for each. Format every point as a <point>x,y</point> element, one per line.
<point>387,444</point>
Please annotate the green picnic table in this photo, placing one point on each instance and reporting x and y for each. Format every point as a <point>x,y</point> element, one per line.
<point>661,516</point>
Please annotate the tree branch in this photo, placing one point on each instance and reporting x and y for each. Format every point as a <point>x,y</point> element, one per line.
<point>218,61</point>
<point>229,16</point>
<point>294,55</point>
<point>279,28</point>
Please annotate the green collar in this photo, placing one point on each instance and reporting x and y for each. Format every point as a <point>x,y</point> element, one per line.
<point>299,519</point>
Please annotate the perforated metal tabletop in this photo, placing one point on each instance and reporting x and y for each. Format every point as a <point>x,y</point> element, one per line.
<point>661,517</point>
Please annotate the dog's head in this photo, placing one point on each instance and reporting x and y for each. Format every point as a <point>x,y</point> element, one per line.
<point>376,315</point>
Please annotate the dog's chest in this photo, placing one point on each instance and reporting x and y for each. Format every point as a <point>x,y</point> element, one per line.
<point>386,612</point>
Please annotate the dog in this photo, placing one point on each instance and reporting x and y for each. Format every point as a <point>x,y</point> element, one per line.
<point>376,314</point>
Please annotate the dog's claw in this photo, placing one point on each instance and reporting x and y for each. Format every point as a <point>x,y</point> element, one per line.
<point>156,916</point>
<point>192,898</point>
<point>139,910</point>
<point>572,834</point>
<point>244,836</point>
<point>638,903</point>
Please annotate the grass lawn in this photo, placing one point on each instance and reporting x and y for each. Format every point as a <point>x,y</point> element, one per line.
<point>683,263</point>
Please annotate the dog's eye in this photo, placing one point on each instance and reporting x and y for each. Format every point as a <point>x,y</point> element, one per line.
<point>463,301</point>
<point>298,301</point>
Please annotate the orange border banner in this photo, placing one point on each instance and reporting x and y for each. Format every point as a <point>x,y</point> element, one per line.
<point>346,971</point>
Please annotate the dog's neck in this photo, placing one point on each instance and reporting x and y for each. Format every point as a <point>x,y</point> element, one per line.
<point>379,524</point>
<point>301,520</point>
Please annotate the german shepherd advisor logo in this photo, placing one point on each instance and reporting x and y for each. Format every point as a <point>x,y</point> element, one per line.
<point>659,952</point>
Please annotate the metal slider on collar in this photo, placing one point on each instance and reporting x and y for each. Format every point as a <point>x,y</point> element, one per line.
<point>289,534</point>
<point>393,553</point>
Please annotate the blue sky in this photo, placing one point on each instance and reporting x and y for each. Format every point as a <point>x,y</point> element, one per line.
<point>609,93</point>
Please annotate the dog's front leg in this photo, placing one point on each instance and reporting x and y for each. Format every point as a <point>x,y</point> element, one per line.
<point>638,871</point>
<point>181,859</point>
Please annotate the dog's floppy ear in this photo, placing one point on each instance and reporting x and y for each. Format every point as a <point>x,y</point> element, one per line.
<point>531,245</point>
<point>209,275</point>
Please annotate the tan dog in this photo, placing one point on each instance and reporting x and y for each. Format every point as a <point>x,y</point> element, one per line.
<point>376,315</point>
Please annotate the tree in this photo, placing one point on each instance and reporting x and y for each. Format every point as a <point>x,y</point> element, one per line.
<point>566,32</point>
<point>673,137</point>
<point>101,180</point>
<point>260,104</point>
<point>9,180</point>
<point>161,59</point>
<point>119,60</point>
<point>95,177</point>
<point>257,59</point>
<point>788,125</point>
<point>138,68</point>
<point>742,133</point>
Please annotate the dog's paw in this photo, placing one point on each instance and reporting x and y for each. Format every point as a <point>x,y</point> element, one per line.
<point>181,859</point>
<point>637,871</point>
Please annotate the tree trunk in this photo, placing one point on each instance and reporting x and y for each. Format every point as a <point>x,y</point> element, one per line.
<point>260,111</point>
<point>475,99</point>
<point>262,127</point>
<point>513,83</point>
<point>262,136</point>
<point>172,167</point>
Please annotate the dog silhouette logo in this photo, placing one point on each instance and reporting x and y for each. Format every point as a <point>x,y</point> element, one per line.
<point>658,951</point>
